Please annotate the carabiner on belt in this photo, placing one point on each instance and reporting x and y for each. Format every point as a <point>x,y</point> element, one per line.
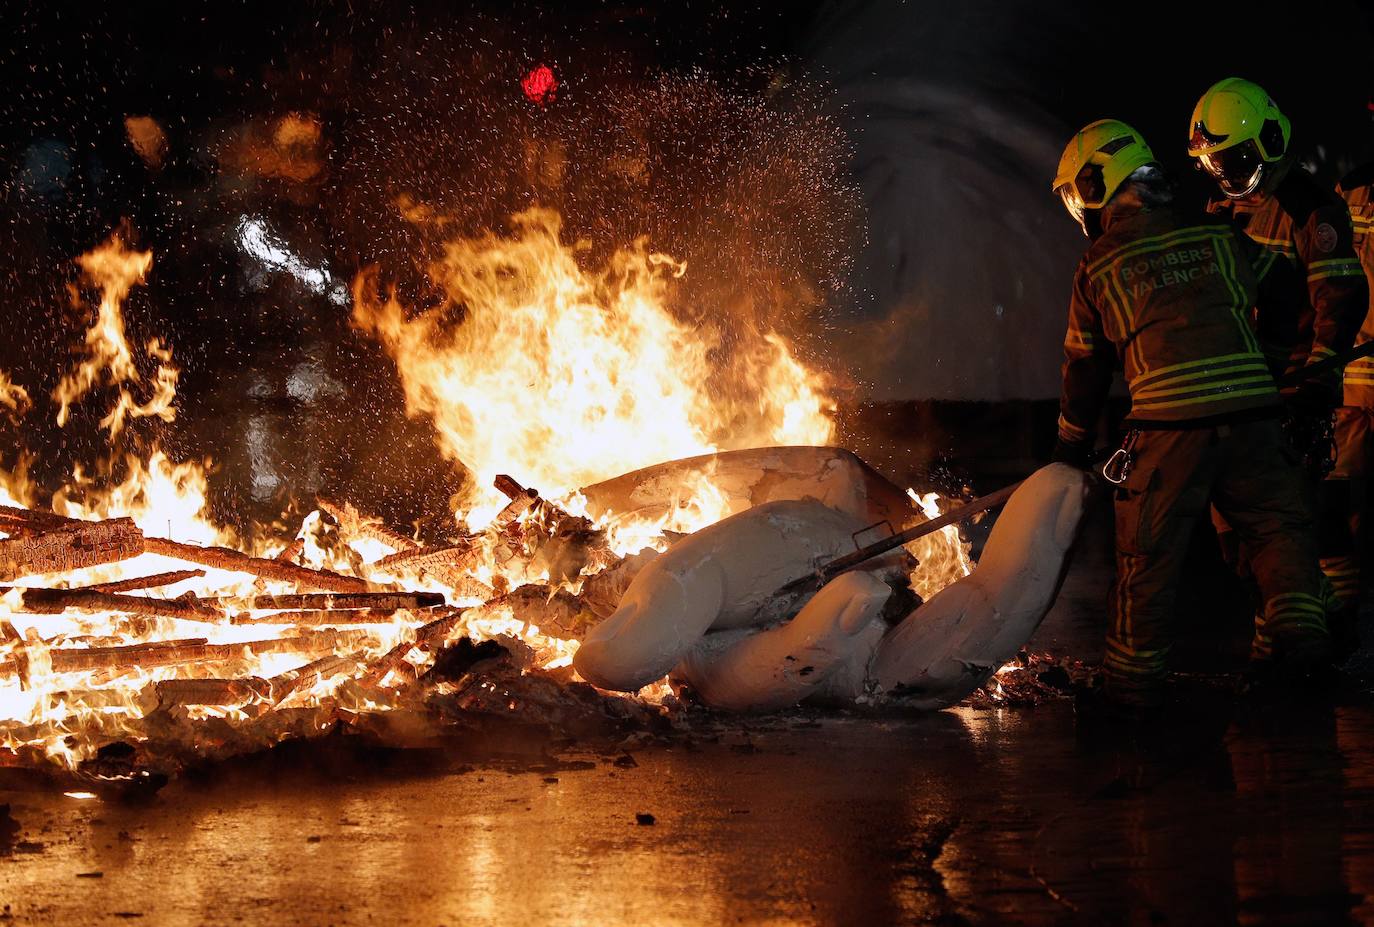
<point>1119,465</point>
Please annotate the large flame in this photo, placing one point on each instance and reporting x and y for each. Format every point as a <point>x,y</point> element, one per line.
<point>560,375</point>
<point>563,376</point>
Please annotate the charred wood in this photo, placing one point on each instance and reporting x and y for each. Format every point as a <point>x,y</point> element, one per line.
<point>226,692</point>
<point>312,674</point>
<point>427,637</point>
<point>354,522</point>
<point>336,601</point>
<point>291,551</point>
<point>517,506</point>
<point>601,592</point>
<point>556,612</point>
<point>452,556</point>
<point>33,517</point>
<point>145,582</point>
<point>70,546</point>
<point>56,601</point>
<point>223,558</point>
<point>335,617</point>
<point>446,564</point>
<point>508,486</point>
<point>346,600</point>
<point>192,650</point>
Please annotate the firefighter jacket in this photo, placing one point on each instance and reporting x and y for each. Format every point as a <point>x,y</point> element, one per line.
<point>1358,191</point>
<point>1168,293</point>
<point>1308,228</point>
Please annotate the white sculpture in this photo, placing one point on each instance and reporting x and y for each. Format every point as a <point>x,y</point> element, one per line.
<point>722,581</point>
<point>826,647</point>
<point>721,577</point>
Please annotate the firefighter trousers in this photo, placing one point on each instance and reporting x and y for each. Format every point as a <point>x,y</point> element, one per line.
<point>1248,473</point>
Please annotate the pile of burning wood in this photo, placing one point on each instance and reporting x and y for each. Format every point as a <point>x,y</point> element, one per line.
<point>127,655</point>
<point>423,642</point>
<point>360,645</point>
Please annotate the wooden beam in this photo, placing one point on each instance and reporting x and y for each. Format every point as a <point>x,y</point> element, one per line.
<point>56,601</point>
<point>70,547</point>
<point>223,558</point>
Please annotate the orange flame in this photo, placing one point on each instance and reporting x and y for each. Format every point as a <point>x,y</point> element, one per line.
<point>563,376</point>
<point>557,374</point>
<point>13,397</point>
<point>942,557</point>
<point>114,269</point>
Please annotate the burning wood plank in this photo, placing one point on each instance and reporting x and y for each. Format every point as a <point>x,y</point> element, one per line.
<point>554,611</point>
<point>56,601</point>
<point>305,678</point>
<point>337,601</point>
<point>191,650</point>
<point>466,586</point>
<point>451,556</point>
<point>334,617</point>
<point>223,558</point>
<point>426,637</point>
<point>69,547</point>
<point>146,582</point>
<point>355,522</point>
<point>225,692</point>
<point>448,564</point>
<point>291,551</point>
<point>521,500</point>
<point>32,517</point>
<point>220,558</point>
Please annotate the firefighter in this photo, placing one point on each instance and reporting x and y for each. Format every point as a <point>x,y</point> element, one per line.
<point>1355,418</point>
<point>1167,294</point>
<point>1241,140</point>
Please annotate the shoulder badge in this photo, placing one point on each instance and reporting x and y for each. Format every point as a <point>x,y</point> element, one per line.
<point>1325,238</point>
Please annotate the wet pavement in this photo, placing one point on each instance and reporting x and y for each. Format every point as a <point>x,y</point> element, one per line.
<point>978,817</point>
<point>1228,811</point>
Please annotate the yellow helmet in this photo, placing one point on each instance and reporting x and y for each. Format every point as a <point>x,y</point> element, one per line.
<point>1236,132</point>
<point>1096,162</point>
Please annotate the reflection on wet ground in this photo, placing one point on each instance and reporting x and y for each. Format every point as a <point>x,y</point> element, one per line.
<point>1229,810</point>
<point>1244,814</point>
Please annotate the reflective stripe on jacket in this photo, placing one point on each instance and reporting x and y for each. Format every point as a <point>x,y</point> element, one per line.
<point>1309,228</point>
<point>1169,294</point>
<point>1358,191</point>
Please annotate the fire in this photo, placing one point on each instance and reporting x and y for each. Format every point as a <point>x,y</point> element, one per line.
<point>556,373</point>
<point>13,397</point>
<point>563,376</point>
<point>942,556</point>
<point>115,269</point>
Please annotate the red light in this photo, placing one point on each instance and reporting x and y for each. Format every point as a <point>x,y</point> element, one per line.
<point>540,85</point>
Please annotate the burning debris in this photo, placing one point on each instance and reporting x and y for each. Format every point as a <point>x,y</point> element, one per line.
<point>137,637</point>
<point>98,665</point>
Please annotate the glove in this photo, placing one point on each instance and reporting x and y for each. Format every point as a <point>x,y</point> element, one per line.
<point>1309,426</point>
<point>1312,400</point>
<point>1075,455</point>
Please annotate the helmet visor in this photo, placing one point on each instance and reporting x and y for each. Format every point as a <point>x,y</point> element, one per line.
<point>1073,202</point>
<point>1237,170</point>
